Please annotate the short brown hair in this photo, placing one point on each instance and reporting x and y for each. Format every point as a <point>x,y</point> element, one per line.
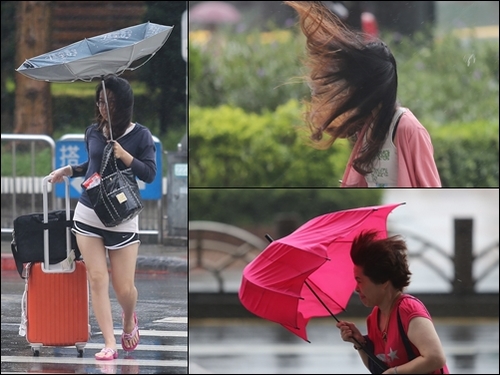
<point>382,259</point>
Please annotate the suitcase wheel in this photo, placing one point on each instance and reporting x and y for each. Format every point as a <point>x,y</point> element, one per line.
<point>36,352</point>
<point>80,347</point>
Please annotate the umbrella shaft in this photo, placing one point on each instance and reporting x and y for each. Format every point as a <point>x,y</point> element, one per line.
<point>319,299</point>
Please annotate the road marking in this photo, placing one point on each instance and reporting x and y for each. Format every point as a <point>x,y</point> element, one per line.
<point>92,361</point>
<point>156,348</point>
<point>144,333</point>
<point>152,333</point>
<point>173,319</point>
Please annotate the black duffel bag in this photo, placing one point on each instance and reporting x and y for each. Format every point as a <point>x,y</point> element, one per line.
<point>28,239</point>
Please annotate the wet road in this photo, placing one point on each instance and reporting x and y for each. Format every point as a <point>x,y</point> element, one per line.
<point>255,346</point>
<point>162,312</point>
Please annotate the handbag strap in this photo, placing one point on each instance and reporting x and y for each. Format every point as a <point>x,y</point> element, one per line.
<point>404,337</point>
<point>406,341</point>
<point>108,160</point>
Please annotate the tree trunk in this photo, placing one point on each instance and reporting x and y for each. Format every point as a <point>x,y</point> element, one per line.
<point>33,106</point>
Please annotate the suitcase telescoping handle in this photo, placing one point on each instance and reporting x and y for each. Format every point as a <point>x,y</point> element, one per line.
<point>45,182</point>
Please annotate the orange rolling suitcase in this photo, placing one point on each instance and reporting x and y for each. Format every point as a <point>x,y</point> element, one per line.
<point>56,297</point>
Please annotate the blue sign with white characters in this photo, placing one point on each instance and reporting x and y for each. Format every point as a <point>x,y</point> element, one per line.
<point>71,150</point>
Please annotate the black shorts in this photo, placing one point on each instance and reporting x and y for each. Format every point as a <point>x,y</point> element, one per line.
<point>112,240</point>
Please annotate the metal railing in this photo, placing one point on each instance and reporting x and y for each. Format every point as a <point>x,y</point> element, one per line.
<point>18,190</point>
<point>214,247</point>
<point>32,141</point>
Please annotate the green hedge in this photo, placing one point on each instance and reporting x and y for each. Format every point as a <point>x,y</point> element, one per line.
<point>467,154</point>
<point>229,147</point>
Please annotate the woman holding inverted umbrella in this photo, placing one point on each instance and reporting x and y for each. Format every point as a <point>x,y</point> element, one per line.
<point>107,56</point>
<point>133,147</point>
<point>400,329</point>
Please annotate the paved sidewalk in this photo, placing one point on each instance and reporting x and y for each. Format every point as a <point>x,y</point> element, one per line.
<point>152,258</point>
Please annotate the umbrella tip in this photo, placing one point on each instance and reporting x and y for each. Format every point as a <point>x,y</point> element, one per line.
<point>269,238</point>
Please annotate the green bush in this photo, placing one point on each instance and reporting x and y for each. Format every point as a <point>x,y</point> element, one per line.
<point>232,148</point>
<point>229,147</point>
<point>450,80</point>
<point>467,154</point>
<point>253,71</point>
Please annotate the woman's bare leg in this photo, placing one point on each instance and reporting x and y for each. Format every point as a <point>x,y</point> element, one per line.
<point>123,264</point>
<point>94,255</point>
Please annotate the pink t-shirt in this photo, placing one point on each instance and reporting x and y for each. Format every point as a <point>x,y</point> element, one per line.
<point>393,351</point>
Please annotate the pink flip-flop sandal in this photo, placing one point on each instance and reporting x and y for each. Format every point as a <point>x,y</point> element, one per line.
<point>106,354</point>
<point>130,336</point>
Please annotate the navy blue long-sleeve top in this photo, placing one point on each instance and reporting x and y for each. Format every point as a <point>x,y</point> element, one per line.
<point>139,143</point>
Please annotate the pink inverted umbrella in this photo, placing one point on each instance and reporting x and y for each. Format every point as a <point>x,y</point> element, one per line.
<point>309,273</point>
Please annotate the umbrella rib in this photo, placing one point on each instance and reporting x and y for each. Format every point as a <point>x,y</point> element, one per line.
<point>319,299</point>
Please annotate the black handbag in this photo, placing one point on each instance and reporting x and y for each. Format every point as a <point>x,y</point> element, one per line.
<point>375,365</point>
<point>27,243</point>
<point>116,199</point>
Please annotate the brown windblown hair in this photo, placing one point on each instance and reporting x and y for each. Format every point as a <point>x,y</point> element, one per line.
<point>382,259</point>
<point>353,82</point>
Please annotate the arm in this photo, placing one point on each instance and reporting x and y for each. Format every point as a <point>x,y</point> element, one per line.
<point>422,334</point>
<point>138,153</point>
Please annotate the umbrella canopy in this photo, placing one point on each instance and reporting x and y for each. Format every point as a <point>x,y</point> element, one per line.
<point>110,53</point>
<point>309,273</point>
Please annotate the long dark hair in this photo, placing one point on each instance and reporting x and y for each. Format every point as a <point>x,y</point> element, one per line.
<point>121,104</point>
<point>353,80</point>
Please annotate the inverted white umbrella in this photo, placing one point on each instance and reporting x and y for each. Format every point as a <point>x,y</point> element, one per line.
<point>110,53</point>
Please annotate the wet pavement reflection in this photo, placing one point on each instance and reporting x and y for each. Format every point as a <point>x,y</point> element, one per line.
<point>255,346</point>
<point>163,322</point>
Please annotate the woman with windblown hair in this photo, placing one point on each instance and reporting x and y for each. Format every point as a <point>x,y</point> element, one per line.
<point>353,80</point>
